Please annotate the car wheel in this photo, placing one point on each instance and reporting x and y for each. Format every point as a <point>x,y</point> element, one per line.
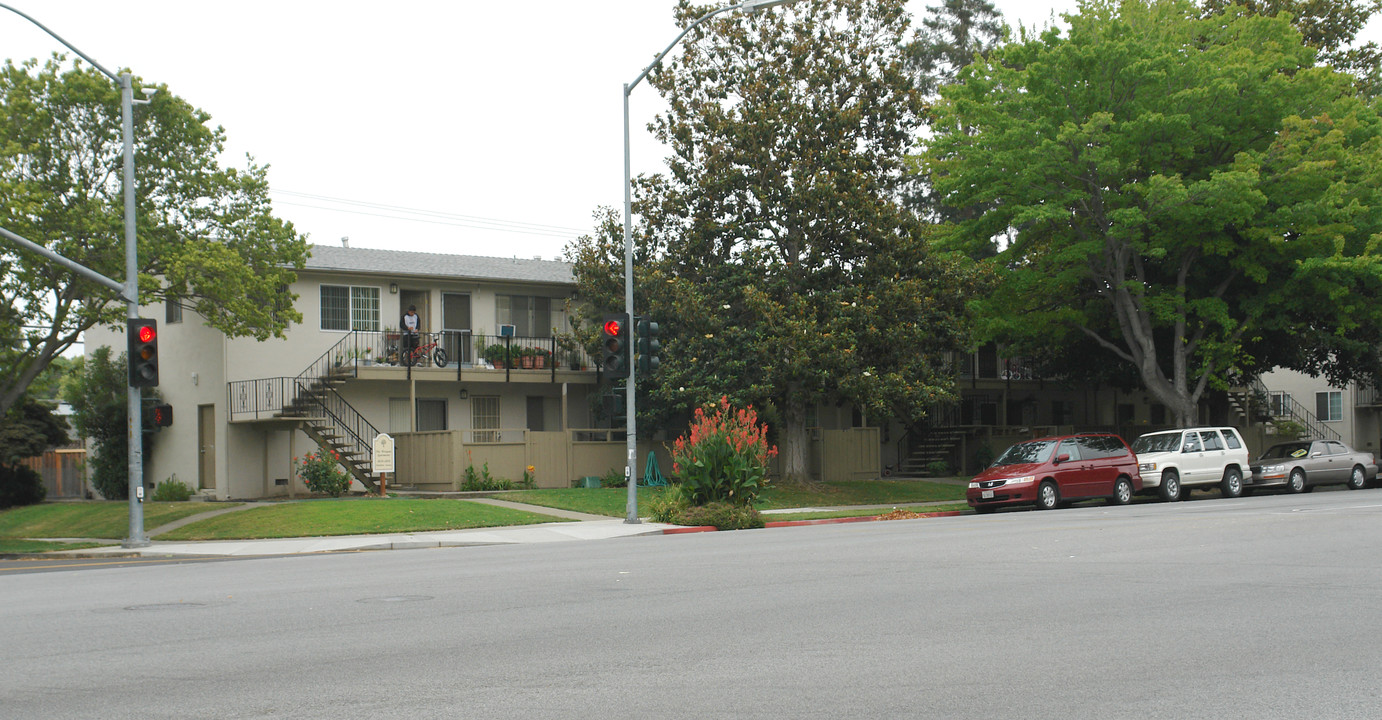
<point>1358,479</point>
<point>1122,492</point>
<point>1170,486</point>
<point>1296,483</point>
<point>1232,486</point>
<point>1047,496</point>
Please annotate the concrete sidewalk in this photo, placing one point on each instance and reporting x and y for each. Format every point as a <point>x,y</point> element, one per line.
<point>588,527</point>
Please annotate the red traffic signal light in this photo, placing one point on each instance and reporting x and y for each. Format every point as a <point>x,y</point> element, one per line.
<point>614,346</point>
<point>142,357</point>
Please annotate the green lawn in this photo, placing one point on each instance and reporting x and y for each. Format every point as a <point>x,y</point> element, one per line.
<point>360,516</point>
<point>9,546</point>
<point>612,501</point>
<point>353,516</point>
<point>95,519</point>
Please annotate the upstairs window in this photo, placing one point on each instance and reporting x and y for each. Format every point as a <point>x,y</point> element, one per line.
<point>529,315</point>
<point>349,307</point>
<point>172,311</point>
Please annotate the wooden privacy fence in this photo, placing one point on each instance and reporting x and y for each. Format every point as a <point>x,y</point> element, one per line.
<point>61,471</point>
<point>437,461</point>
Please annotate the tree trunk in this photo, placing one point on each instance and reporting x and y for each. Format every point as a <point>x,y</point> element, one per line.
<point>794,451</point>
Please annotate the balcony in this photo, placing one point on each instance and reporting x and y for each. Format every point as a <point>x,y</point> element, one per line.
<point>1365,396</point>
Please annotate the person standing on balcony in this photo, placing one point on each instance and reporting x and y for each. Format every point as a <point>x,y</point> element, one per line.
<point>410,329</point>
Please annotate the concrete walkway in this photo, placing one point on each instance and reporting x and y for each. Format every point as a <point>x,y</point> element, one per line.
<point>588,527</point>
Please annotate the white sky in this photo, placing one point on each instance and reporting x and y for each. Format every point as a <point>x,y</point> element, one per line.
<point>481,114</point>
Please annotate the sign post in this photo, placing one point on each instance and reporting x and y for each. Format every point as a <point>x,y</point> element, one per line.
<point>382,457</point>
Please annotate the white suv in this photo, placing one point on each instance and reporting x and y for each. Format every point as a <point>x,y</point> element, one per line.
<point>1177,461</point>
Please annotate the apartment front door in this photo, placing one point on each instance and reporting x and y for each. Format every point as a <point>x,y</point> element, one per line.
<point>206,442</point>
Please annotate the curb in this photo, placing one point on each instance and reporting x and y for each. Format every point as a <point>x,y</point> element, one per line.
<point>803,523</point>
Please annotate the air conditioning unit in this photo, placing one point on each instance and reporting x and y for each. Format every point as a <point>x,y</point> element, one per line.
<point>505,331</point>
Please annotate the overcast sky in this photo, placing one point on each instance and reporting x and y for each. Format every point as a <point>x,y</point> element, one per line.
<point>479,128</point>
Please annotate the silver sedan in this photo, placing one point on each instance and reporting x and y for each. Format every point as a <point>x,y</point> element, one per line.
<point>1301,465</point>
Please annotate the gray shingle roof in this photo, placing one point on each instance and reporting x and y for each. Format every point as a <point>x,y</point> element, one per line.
<point>401,262</point>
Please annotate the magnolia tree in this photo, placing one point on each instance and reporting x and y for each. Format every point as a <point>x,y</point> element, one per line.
<point>776,252</point>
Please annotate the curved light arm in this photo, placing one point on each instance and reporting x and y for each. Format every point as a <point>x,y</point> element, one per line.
<point>69,45</point>
<point>748,5</point>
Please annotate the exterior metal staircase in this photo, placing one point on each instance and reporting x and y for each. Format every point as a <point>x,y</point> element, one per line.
<point>1255,404</point>
<point>311,397</point>
<point>930,445</point>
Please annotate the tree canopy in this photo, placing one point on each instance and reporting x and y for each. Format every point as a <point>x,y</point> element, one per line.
<point>207,235</point>
<point>1329,26</point>
<point>777,241</point>
<point>1193,195</point>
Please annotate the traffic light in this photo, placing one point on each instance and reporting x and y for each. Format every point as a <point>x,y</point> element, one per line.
<point>162,415</point>
<point>614,345</point>
<point>143,352</point>
<point>648,345</point>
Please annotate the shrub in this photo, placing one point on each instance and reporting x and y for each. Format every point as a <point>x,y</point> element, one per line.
<point>938,468</point>
<point>171,490</point>
<point>983,457</point>
<point>722,515</point>
<point>322,473</point>
<point>482,480</point>
<point>20,485</point>
<point>614,479</point>
<point>668,505</point>
<point>725,456</point>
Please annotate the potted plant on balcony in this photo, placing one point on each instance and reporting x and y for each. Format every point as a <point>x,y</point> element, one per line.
<point>525,358</point>
<point>497,355</point>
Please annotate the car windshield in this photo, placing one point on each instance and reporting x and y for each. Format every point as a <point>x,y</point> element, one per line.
<point>1028,452</point>
<point>1161,442</point>
<point>1287,450</point>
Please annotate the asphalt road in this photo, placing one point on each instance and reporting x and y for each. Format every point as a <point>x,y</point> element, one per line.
<point>1260,607</point>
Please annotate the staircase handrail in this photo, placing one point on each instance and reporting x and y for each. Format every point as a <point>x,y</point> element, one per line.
<point>1296,412</point>
<point>342,416</point>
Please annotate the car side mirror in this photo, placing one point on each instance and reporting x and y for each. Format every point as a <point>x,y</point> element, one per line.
<point>1316,454</point>
<point>1063,457</point>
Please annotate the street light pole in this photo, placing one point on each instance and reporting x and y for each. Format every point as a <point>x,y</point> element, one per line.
<point>136,538</point>
<point>631,468</point>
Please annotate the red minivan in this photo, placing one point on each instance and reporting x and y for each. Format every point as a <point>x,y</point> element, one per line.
<point>1051,471</point>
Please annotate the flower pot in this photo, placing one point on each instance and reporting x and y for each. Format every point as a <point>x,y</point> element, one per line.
<point>539,362</point>
<point>527,362</point>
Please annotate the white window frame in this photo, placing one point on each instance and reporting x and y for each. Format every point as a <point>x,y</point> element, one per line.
<point>362,310</point>
<point>1333,404</point>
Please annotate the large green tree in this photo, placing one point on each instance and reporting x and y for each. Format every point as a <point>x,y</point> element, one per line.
<point>1194,196</point>
<point>1330,26</point>
<point>207,235</point>
<point>776,251</point>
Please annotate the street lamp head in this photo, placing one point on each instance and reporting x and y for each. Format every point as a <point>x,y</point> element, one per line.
<point>756,5</point>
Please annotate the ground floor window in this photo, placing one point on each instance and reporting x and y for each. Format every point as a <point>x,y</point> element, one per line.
<point>484,416</point>
<point>431,415</point>
<point>1329,405</point>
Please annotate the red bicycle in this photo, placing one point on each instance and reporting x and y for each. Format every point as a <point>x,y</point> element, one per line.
<point>422,352</point>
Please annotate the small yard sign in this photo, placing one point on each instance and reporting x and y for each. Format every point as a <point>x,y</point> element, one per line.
<point>383,453</point>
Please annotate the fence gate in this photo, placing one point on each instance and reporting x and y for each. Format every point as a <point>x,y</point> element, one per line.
<point>547,453</point>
